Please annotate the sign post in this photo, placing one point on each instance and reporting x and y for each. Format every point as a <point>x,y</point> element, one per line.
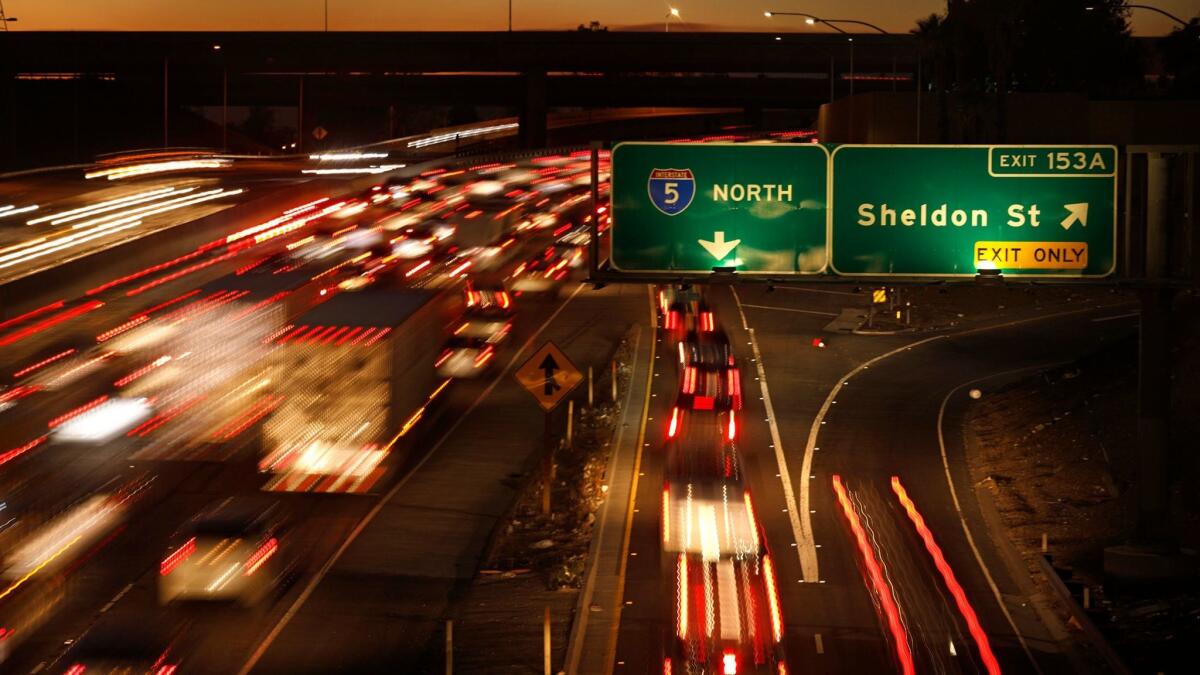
<point>548,375</point>
<point>700,208</point>
<point>950,211</point>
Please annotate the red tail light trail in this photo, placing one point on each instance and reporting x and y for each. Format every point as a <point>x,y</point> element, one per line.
<point>877,579</point>
<point>956,590</point>
<point>177,557</point>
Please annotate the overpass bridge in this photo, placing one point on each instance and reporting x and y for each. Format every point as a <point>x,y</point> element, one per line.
<point>89,81</point>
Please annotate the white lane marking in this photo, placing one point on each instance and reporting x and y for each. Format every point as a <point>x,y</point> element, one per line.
<point>817,290</point>
<point>809,448</point>
<point>790,309</point>
<point>958,507</point>
<point>820,644</point>
<point>800,517</point>
<point>116,599</point>
<point>1114,318</point>
<point>291,612</point>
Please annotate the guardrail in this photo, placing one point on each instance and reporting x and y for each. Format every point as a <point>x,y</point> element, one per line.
<point>1099,642</point>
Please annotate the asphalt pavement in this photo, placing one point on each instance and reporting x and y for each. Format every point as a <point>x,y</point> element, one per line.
<point>866,408</point>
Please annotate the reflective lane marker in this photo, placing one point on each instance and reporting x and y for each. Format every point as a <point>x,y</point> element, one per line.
<point>633,488</point>
<point>291,612</point>
<point>800,517</point>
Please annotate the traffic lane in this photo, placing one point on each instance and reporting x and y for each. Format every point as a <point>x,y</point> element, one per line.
<point>885,424</point>
<point>809,610</point>
<point>122,577</point>
<point>831,624</point>
<point>817,301</point>
<point>648,603</point>
<point>396,582</point>
<point>223,636</point>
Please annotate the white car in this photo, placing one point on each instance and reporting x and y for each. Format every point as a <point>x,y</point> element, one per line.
<point>465,358</point>
<point>230,551</point>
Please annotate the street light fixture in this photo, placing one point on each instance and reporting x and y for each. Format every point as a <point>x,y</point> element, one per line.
<point>813,20</point>
<point>674,12</point>
<point>1181,22</point>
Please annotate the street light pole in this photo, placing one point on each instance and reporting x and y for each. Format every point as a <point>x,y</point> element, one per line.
<point>4,18</point>
<point>1165,13</point>
<point>832,23</point>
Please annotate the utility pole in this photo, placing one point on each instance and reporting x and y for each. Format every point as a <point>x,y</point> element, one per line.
<point>166,105</point>
<point>225,109</point>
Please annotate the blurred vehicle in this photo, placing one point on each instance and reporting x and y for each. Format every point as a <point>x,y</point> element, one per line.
<point>684,310</point>
<point>491,324</point>
<point>465,357</point>
<point>129,645</point>
<point>572,253</point>
<point>25,606</point>
<point>486,295</point>
<point>727,616</point>
<point>704,388</point>
<point>351,372</point>
<point>230,551</point>
<point>538,275</point>
<point>709,517</point>
<point>705,349</point>
<point>702,445</point>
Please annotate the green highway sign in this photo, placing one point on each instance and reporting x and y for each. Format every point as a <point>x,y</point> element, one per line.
<point>948,211</point>
<point>759,209</point>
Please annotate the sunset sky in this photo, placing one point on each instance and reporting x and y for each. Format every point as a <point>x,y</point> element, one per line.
<point>893,15</point>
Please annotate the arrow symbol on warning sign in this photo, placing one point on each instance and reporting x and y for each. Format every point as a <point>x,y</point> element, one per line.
<point>718,247</point>
<point>1077,213</point>
<point>549,366</point>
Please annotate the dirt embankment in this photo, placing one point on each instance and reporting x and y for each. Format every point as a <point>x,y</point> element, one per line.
<point>1058,450</point>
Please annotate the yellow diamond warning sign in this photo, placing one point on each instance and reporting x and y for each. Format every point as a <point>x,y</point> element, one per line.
<point>1031,255</point>
<point>548,376</point>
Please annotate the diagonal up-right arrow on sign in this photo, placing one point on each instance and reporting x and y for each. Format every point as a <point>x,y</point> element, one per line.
<point>1075,213</point>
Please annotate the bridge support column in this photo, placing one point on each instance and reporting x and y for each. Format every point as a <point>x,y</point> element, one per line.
<point>533,111</point>
<point>1153,555</point>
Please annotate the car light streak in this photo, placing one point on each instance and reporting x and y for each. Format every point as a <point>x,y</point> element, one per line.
<point>261,556</point>
<point>875,573</point>
<point>106,206</point>
<point>16,336</point>
<point>10,455</point>
<point>119,172</point>
<point>773,599</point>
<point>44,362</point>
<point>177,557</point>
<point>956,590</point>
<point>681,595</point>
<point>353,170</point>
<point>29,315</point>
<point>10,210</point>
<point>347,156</point>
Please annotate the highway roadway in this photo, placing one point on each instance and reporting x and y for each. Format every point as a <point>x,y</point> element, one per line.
<point>865,409</point>
<point>884,560</point>
<point>116,574</point>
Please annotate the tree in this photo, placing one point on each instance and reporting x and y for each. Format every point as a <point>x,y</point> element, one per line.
<point>982,50</point>
<point>1181,60</point>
